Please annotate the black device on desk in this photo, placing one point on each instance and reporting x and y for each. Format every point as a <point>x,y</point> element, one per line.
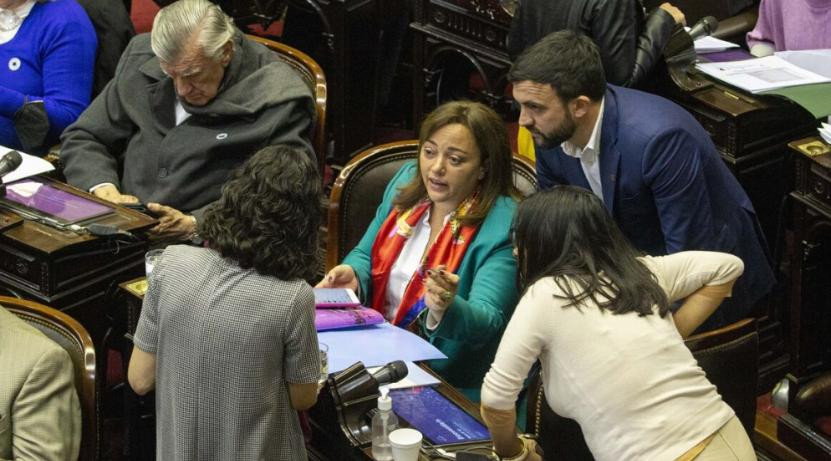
<point>141,208</point>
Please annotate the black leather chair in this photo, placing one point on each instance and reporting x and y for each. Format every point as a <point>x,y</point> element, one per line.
<point>359,188</point>
<point>729,356</point>
<point>73,337</point>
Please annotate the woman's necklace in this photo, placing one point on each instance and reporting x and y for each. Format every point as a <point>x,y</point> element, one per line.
<point>11,17</point>
<point>9,20</point>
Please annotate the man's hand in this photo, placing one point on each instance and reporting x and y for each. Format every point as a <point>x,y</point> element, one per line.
<point>110,193</point>
<point>173,224</point>
<point>676,14</point>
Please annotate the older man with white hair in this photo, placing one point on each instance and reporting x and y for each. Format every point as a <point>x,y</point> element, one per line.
<point>189,102</point>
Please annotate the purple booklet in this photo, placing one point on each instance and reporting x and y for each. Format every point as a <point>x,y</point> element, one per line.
<point>332,319</point>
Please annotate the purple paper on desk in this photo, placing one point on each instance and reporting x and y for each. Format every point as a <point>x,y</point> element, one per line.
<point>733,54</point>
<point>54,202</point>
<point>345,317</point>
<point>375,345</point>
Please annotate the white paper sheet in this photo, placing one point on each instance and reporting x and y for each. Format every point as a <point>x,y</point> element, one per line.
<point>30,166</point>
<point>708,44</point>
<point>375,345</point>
<point>816,61</point>
<point>416,376</point>
<point>761,74</point>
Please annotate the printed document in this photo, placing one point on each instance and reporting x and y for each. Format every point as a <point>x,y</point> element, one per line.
<point>30,166</point>
<point>761,74</point>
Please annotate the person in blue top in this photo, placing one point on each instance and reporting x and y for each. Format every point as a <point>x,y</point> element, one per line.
<point>47,56</point>
<point>439,252</point>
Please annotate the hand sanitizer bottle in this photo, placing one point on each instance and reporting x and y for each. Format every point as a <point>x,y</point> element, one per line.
<point>383,423</point>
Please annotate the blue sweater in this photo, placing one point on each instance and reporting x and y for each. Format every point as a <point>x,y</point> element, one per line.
<point>51,58</point>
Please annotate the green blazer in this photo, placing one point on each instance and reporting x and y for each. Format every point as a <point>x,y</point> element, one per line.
<point>470,330</point>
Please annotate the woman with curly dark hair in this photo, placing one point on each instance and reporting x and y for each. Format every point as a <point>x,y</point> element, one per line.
<point>226,334</point>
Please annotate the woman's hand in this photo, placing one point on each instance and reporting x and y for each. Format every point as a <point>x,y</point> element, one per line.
<point>676,13</point>
<point>342,276</point>
<point>440,289</point>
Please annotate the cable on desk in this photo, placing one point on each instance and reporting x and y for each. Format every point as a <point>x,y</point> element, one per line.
<point>467,454</point>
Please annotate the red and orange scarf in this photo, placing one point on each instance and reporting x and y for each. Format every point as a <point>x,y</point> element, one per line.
<point>448,250</point>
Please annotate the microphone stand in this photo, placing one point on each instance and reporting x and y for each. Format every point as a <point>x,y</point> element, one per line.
<point>680,57</point>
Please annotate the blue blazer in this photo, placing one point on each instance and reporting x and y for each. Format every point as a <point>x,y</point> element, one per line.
<point>667,187</point>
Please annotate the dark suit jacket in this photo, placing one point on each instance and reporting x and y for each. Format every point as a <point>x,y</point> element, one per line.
<point>668,189</point>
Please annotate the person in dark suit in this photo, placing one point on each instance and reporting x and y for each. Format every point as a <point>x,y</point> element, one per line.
<point>630,41</point>
<point>653,165</point>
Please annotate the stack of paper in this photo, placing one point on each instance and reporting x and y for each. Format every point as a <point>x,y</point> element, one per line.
<point>375,345</point>
<point>30,166</point>
<point>708,44</point>
<point>761,74</point>
<point>825,132</point>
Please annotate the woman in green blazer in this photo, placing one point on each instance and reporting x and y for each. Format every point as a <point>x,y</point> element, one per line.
<point>439,250</point>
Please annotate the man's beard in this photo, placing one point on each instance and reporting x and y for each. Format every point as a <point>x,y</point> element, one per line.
<point>558,136</point>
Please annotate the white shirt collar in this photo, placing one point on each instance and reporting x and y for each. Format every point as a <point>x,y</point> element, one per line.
<point>592,148</point>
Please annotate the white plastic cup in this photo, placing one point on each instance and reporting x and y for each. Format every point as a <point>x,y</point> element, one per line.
<point>405,443</point>
<point>150,259</point>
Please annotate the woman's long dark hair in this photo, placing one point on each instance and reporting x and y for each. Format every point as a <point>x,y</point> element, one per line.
<point>566,233</point>
<point>269,214</point>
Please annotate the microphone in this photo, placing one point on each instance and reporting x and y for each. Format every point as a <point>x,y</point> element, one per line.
<point>10,162</point>
<point>391,372</point>
<point>705,26</point>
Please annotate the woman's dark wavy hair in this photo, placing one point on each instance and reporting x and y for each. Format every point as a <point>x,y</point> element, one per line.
<point>566,233</point>
<point>491,137</point>
<point>269,214</point>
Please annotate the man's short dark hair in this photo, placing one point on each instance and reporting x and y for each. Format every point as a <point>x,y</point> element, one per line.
<point>269,214</point>
<point>566,60</point>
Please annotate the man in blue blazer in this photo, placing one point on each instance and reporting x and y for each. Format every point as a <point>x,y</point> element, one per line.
<point>650,161</point>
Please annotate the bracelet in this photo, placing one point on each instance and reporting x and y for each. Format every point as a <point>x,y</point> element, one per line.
<point>523,453</point>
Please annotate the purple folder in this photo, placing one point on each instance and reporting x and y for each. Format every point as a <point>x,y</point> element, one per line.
<point>332,319</point>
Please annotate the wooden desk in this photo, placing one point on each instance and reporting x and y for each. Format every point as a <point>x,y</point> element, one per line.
<point>810,301</point>
<point>75,273</point>
<point>140,423</point>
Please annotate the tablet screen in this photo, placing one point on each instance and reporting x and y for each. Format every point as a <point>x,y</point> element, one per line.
<point>437,418</point>
<point>52,202</point>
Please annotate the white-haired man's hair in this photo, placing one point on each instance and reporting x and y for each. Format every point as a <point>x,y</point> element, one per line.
<point>176,23</point>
